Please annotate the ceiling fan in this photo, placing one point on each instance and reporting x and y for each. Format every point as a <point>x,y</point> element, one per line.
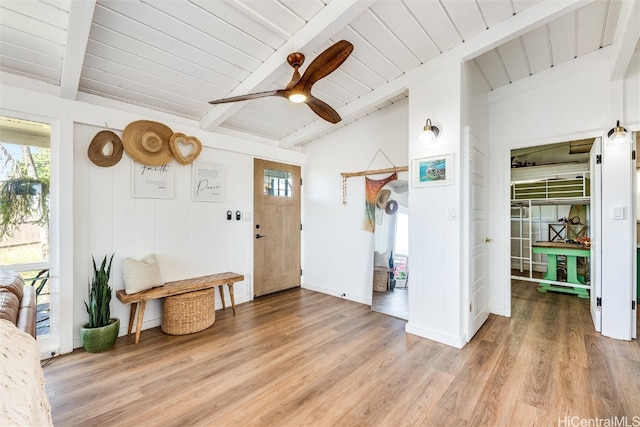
<point>299,88</point>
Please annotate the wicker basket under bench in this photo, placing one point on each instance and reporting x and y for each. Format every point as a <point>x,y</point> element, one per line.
<point>188,304</point>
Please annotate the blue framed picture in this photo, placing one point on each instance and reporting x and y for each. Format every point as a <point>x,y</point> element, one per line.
<point>433,171</point>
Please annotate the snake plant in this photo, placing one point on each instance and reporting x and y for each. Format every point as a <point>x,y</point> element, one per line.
<point>99,295</point>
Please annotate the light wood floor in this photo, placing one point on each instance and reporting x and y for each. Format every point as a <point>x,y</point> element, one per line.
<point>304,358</point>
<point>394,303</point>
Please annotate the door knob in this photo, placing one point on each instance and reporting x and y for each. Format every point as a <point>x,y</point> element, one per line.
<point>488,240</point>
<point>259,236</point>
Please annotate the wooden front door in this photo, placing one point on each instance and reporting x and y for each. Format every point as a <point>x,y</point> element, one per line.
<point>276,246</point>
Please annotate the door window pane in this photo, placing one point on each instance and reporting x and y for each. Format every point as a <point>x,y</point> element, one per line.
<point>277,183</point>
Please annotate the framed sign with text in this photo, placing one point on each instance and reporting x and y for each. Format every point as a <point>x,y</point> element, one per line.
<point>152,182</point>
<point>208,182</point>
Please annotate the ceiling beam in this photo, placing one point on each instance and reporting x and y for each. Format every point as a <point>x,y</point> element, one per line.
<point>80,17</point>
<point>625,39</point>
<point>519,24</point>
<point>334,16</point>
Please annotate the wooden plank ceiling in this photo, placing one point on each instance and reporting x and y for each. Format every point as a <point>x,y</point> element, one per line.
<point>176,55</point>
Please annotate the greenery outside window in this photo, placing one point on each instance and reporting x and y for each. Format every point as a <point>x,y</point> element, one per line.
<point>24,207</point>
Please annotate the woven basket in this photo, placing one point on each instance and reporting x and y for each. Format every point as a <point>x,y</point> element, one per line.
<point>188,313</point>
<point>380,277</point>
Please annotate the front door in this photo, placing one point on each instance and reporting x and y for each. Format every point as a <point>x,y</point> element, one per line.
<point>276,247</point>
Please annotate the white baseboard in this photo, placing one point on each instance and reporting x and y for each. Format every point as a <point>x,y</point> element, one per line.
<point>498,310</point>
<point>452,340</point>
<point>351,297</point>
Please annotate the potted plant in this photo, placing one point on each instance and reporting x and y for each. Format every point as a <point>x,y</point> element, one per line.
<point>101,332</point>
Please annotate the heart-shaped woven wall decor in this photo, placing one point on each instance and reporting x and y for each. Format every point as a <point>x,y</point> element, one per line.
<point>185,148</point>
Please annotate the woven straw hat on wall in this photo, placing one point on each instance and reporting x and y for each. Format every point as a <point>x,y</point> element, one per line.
<point>147,142</point>
<point>105,149</point>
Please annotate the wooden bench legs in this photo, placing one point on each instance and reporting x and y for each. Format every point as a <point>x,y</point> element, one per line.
<point>233,302</point>
<point>140,306</point>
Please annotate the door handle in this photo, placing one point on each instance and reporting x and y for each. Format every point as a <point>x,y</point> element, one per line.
<point>488,240</point>
<point>259,236</point>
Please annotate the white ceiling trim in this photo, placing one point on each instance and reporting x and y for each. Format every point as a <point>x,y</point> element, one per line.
<point>625,39</point>
<point>519,24</point>
<point>80,17</point>
<point>321,27</point>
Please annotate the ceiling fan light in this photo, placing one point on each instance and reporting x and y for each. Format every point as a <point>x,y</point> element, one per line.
<point>297,97</point>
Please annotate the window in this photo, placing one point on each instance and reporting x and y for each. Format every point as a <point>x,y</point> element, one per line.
<point>24,207</point>
<point>277,183</point>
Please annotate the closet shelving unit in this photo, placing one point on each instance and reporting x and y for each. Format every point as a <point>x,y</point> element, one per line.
<point>531,189</point>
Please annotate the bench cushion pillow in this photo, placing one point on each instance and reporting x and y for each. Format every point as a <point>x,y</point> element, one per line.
<point>140,275</point>
<point>380,259</point>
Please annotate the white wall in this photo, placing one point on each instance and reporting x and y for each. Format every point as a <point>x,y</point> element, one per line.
<point>100,217</point>
<point>572,101</point>
<point>435,228</point>
<point>337,252</point>
<point>190,239</point>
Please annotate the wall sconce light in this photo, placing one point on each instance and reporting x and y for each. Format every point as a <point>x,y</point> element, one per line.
<point>429,132</point>
<point>617,135</point>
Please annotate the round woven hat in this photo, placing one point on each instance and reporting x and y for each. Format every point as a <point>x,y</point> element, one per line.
<point>383,196</point>
<point>147,142</point>
<point>105,149</point>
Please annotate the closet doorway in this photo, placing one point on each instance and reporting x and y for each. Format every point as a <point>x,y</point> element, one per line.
<point>390,293</point>
<point>553,193</point>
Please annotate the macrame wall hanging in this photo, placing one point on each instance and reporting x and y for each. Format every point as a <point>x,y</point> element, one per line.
<point>372,187</point>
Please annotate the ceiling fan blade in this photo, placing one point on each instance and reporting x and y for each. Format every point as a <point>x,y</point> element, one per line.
<point>324,64</point>
<point>323,109</point>
<point>256,95</point>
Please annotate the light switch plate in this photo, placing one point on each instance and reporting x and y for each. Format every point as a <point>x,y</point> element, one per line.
<point>618,212</point>
<point>453,214</point>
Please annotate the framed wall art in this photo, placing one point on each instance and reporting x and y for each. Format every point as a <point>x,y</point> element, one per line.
<point>433,171</point>
<point>208,182</point>
<point>152,182</point>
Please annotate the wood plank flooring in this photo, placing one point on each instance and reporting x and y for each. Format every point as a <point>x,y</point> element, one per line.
<point>301,358</point>
<point>394,303</point>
